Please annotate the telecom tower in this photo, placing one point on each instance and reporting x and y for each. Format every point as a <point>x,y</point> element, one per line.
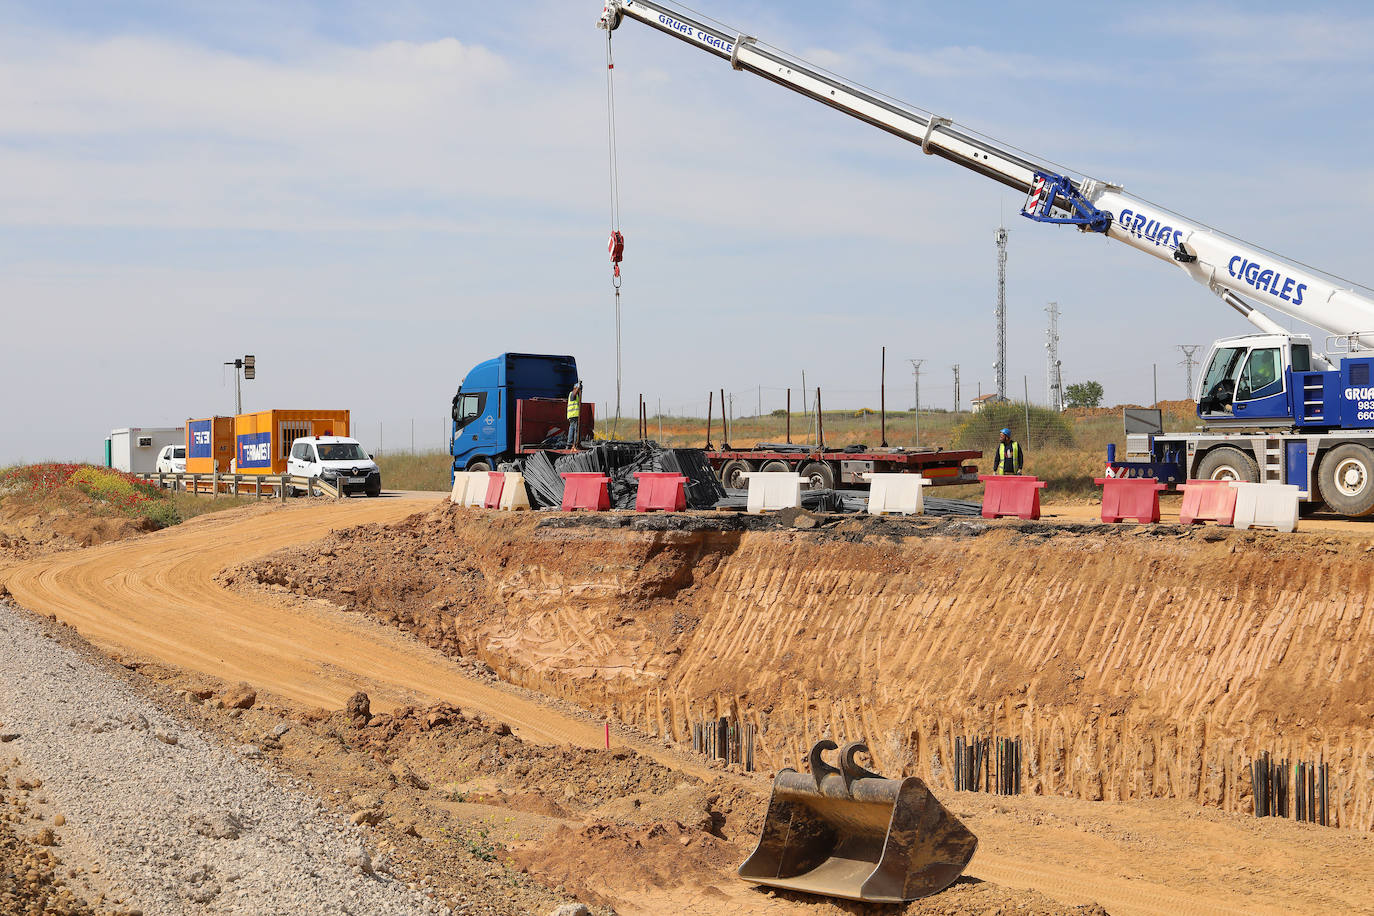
<point>1188,363</point>
<point>1001,313</point>
<point>1054,377</point>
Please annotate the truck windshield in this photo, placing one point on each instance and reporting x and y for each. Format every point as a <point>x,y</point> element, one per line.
<point>1222,369</point>
<point>341,451</point>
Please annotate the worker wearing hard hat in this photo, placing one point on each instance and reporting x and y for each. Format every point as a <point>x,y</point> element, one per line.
<point>1010,458</point>
<point>574,413</point>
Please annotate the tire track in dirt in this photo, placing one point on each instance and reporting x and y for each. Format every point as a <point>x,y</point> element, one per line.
<point>157,596</point>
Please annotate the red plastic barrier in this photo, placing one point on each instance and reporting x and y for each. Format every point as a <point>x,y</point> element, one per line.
<point>496,482</point>
<point>586,491</point>
<point>1208,500</point>
<point>1008,495</point>
<point>661,492</point>
<point>1130,497</point>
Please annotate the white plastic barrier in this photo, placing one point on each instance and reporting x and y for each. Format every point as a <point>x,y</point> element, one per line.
<point>462,483</point>
<point>896,494</point>
<point>513,495</point>
<point>469,489</point>
<point>1266,505</point>
<point>773,490</point>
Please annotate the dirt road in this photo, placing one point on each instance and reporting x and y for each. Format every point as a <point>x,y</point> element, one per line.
<point>156,596</point>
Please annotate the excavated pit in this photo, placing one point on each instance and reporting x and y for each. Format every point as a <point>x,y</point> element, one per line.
<point>1133,662</point>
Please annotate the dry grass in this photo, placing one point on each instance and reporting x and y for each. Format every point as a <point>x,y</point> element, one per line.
<point>421,471</point>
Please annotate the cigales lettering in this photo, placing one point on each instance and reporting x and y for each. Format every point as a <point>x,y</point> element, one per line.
<point>1265,280</point>
<point>1152,230</point>
<point>706,38</point>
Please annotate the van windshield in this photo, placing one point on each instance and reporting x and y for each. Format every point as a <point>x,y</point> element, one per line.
<point>341,451</point>
<point>179,453</point>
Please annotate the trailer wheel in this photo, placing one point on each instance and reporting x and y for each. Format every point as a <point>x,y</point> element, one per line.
<point>730,473</point>
<point>820,475</point>
<point>774,467</point>
<point>1346,480</point>
<point>1228,464</point>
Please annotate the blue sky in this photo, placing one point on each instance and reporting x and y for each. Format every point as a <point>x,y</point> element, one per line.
<point>373,199</point>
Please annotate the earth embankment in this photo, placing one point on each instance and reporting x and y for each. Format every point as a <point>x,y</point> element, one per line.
<point>1132,662</point>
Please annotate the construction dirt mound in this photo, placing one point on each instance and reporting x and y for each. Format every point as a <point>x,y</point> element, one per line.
<point>1131,662</point>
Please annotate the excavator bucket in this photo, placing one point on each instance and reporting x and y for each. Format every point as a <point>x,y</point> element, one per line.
<point>850,833</point>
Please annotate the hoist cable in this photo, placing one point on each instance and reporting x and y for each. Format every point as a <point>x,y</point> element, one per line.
<point>614,166</point>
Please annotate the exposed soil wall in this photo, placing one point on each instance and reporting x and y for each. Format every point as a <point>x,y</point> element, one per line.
<point>1132,662</point>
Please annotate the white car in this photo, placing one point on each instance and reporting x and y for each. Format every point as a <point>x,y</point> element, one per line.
<point>337,460</point>
<point>172,460</point>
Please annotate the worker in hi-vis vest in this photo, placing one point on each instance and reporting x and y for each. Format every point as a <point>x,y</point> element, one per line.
<point>574,413</point>
<point>1010,458</point>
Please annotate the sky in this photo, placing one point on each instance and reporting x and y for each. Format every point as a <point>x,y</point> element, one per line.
<point>372,198</point>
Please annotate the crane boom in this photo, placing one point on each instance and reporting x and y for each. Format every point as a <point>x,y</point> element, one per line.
<point>1233,270</point>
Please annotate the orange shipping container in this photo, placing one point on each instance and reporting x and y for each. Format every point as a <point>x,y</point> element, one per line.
<point>262,440</point>
<point>209,445</point>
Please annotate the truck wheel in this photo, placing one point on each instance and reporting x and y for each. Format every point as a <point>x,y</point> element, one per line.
<point>479,467</point>
<point>820,475</point>
<point>774,467</point>
<point>1228,464</point>
<point>730,474</point>
<point>1345,479</point>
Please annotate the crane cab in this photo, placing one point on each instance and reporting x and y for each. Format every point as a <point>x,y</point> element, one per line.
<point>1249,379</point>
<point>1277,380</point>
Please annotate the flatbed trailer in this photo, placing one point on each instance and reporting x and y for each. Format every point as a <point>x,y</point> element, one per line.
<point>830,467</point>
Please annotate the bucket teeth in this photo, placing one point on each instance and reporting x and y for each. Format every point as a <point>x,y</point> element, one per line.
<point>847,832</point>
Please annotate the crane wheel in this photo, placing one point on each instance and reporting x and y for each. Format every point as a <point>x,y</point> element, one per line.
<point>1228,463</point>
<point>730,474</point>
<point>819,474</point>
<point>1345,479</point>
<point>479,467</point>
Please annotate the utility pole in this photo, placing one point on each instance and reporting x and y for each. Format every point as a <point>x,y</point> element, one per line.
<point>1188,363</point>
<point>916,376</point>
<point>1001,313</point>
<point>956,389</point>
<point>249,367</point>
<point>1054,380</point>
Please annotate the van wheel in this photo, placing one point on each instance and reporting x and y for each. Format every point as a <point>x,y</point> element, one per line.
<point>730,474</point>
<point>1345,479</point>
<point>820,475</point>
<point>1228,464</point>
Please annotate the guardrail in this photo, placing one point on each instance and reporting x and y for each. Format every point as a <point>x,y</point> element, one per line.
<point>270,485</point>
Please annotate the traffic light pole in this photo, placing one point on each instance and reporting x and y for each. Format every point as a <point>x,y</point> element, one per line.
<point>243,368</point>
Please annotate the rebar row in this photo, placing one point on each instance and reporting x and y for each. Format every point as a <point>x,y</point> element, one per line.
<point>988,765</point>
<point>721,739</point>
<point>1285,789</point>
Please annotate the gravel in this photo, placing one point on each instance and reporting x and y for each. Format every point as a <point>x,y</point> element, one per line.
<point>180,823</point>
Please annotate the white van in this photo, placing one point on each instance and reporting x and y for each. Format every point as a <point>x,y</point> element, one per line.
<point>338,460</point>
<point>172,460</point>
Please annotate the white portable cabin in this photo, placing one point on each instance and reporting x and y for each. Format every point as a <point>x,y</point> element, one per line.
<point>136,449</point>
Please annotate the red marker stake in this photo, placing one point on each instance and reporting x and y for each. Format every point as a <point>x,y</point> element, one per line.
<point>608,736</point>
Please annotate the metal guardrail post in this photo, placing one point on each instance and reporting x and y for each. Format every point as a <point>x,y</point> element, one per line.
<point>281,488</point>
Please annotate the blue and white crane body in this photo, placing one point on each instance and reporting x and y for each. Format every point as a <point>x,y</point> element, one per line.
<point>1273,407</point>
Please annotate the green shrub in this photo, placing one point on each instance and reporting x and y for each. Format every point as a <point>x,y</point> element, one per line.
<point>162,512</point>
<point>1048,428</point>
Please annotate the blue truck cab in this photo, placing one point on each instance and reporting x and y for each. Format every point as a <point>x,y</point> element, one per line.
<point>485,409</point>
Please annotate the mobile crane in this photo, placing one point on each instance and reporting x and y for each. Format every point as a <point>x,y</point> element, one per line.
<point>1273,408</point>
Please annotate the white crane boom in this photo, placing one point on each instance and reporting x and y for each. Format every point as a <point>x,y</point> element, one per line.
<point>1231,269</point>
